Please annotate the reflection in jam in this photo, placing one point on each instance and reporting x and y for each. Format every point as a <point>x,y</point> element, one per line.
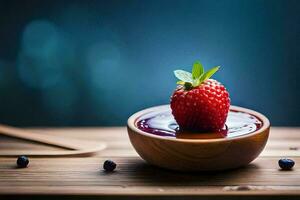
<point>162,123</point>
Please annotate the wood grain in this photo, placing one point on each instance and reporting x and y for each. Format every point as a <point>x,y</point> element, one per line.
<point>133,177</point>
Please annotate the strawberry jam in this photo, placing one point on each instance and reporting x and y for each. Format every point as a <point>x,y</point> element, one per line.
<point>162,123</point>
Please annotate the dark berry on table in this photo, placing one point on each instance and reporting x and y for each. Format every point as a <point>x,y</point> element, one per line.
<point>22,161</point>
<point>109,165</point>
<point>286,164</point>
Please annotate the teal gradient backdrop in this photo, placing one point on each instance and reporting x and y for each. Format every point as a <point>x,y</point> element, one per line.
<point>94,63</point>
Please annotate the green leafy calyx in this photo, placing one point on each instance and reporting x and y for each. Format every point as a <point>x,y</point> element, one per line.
<point>194,79</point>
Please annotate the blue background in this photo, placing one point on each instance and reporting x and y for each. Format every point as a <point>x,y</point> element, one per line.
<point>94,63</point>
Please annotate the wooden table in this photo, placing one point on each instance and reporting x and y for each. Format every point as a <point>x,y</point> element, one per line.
<point>83,177</point>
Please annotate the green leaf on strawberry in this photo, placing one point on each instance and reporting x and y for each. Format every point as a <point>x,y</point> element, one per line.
<point>209,73</point>
<point>194,79</point>
<point>197,70</point>
<point>180,82</point>
<point>183,76</point>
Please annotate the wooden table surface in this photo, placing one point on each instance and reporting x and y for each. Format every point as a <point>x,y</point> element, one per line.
<point>84,177</point>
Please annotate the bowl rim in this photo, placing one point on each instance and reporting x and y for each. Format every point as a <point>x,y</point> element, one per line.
<point>131,124</point>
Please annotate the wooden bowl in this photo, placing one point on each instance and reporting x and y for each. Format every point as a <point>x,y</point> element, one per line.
<point>198,154</point>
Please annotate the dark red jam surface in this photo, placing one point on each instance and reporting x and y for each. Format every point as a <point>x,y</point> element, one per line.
<point>162,123</point>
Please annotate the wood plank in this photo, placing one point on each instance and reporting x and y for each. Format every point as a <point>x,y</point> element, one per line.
<point>261,176</point>
<point>133,177</point>
<point>159,191</point>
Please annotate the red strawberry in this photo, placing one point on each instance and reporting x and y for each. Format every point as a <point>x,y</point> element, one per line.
<point>199,103</point>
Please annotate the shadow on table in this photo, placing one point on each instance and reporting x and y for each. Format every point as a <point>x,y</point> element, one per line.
<point>152,175</point>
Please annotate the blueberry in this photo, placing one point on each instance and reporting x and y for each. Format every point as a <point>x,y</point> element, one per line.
<point>286,164</point>
<point>22,161</point>
<point>109,165</point>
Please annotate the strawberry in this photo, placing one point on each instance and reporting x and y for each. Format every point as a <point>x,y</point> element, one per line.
<point>199,103</point>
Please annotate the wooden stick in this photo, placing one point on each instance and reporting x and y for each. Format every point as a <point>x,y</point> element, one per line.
<point>66,143</point>
<point>61,153</point>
